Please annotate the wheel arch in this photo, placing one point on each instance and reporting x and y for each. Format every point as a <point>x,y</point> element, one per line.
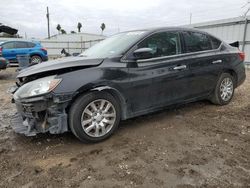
<point>111,90</point>
<point>35,54</point>
<point>232,73</point>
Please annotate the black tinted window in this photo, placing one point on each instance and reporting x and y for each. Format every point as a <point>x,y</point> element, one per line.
<point>8,45</point>
<point>196,42</point>
<point>21,45</point>
<point>31,45</point>
<point>162,44</point>
<point>215,43</point>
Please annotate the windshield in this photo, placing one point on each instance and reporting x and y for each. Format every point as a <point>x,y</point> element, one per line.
<point>113,46</point>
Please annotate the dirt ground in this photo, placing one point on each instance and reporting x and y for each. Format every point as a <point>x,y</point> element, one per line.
<point>195,145</point>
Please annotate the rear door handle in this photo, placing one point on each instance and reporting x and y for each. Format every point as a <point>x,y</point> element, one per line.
<point>180,67</point>
<point>217,61</point>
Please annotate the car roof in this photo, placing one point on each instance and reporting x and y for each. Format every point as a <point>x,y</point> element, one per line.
<point>157,29</point>
<point>36,42</point>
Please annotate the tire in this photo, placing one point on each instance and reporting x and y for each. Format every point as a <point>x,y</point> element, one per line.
<point>102,125</point>
<point>35,59</point>
<point>218,98</point>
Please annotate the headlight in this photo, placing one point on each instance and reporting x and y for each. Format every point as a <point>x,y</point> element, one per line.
<point>37,87</point>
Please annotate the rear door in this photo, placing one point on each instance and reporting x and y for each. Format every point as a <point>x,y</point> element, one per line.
<point>205,61</point>
<point>8,50</point>
<point>162,79</point>
<point>21,48</point>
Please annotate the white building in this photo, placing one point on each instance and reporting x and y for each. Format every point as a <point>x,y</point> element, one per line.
<point>230,30</point>
<point>72,42</point>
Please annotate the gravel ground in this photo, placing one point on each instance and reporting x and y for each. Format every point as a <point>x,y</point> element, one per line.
<point>195,145</point>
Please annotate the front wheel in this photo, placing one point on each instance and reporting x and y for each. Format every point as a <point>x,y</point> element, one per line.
<point>94,117</point>
<point>224,89</point>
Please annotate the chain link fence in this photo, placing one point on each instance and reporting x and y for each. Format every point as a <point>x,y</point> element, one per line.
<point>55,47</point>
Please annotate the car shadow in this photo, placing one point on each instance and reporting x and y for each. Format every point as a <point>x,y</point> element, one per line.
<point>173,110</point>
<point>126,125</point>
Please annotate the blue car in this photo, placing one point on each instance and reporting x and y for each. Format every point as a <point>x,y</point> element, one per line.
<point>11,49</point>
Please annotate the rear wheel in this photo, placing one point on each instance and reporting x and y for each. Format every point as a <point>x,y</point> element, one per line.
<point>35,59</point>
<point>94,117</point>
<point>224,89</point>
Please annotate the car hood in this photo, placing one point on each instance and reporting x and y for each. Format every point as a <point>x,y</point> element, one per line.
<point>63,63</point>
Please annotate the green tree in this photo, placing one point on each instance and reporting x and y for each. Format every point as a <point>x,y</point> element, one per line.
<point>103,26</point>
<point>79,26</point>
<point>58,27</point>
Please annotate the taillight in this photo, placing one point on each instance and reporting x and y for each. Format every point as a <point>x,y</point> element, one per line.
<point>1,50</point>
<point>242,56</point>
<point>44,49</point>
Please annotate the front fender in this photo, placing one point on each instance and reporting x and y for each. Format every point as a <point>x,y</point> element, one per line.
<point>79,82</point>
<point>117,94</point>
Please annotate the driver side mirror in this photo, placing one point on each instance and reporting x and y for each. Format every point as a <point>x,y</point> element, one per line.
<point>143,53</point>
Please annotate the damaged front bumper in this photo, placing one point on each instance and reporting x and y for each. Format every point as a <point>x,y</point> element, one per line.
<point>41,114</point>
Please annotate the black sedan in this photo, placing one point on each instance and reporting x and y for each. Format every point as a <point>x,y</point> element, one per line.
<point>127,75</point>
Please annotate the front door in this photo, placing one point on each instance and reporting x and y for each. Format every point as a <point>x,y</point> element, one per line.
<point>163,79</point>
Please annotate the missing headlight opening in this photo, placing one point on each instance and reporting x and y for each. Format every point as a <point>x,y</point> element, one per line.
<point>39,111</point>
<point>40,115</point>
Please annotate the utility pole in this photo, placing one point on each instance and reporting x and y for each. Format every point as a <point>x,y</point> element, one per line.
<point>245,25</point>
<point>190,19</point>
<point>47,15</point>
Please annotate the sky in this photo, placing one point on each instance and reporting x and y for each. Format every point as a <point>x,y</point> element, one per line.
<point>29,16</point>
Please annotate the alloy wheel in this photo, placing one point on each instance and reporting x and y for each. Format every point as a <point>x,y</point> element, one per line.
<point>98,118</point>
<point>226,89</point>
<point>36,59</point>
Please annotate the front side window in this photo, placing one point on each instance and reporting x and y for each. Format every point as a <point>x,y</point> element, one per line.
<point>8,45</point>
<point>196,42</point>
<point>162,44</point>
<point>21,45</point>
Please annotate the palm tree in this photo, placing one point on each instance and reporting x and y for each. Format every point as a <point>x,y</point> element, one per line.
<point>103,26</point>
<point>63,31</point>
<point>79,26</point>
<point>58,27</point>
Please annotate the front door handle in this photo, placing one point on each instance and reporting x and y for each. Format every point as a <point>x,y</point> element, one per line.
<point>217,61</point>
<point>180,67</point>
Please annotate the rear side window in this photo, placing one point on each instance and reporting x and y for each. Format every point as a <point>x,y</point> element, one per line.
<point>31,45</point>
<point>162,44</point>
<point>8,45</point>
<point>195,41</point>
<point>21,45</point>
<point>215,43</point>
